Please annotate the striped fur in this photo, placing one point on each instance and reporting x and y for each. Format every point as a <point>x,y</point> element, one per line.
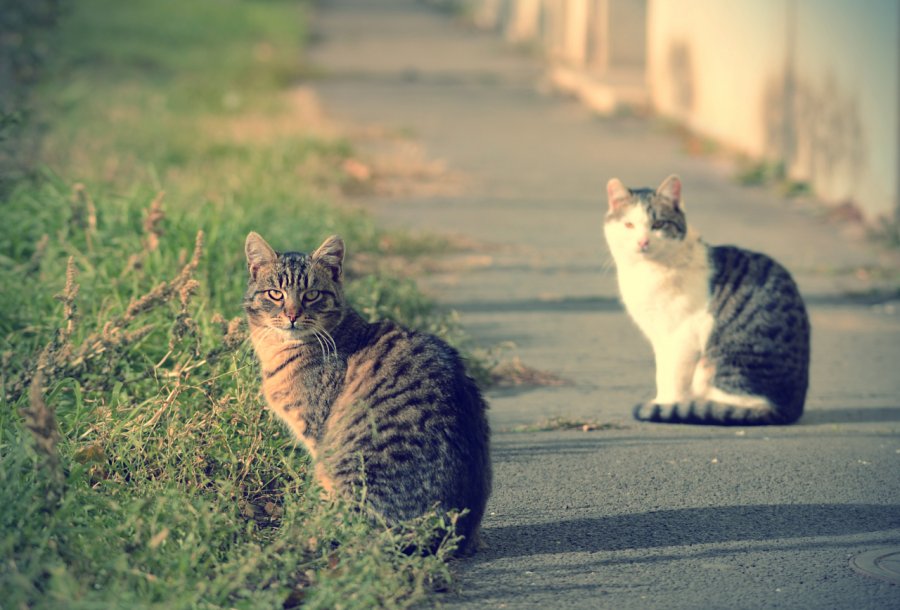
<point>387,413</point>
<point>729,329</point>
<point>708,412</point>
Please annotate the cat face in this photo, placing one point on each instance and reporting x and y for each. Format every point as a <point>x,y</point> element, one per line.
<point>298,296</point>
<point>645,224</point>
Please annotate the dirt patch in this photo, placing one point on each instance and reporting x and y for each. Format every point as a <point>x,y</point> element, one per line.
<point>514,373</point>
<point>393,164</point>
<point>298,115</point>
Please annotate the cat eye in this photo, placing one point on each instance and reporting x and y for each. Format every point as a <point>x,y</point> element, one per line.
<point>275,295</point>
<point>629,225</point>
<point>311,295</point>
<point>660,224</point>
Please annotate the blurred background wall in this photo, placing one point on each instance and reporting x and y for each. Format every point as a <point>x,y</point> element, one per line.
<point>811,87</point>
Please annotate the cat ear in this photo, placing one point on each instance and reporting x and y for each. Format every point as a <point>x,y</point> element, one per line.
<point>618,194</point>
<point>259,253</point>
<point>671,189</point>
<point>331,255</point>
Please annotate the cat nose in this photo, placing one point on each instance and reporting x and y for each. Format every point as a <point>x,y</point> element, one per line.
<point>292,315</point>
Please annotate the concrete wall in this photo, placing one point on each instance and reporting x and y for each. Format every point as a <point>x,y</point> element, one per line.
<point>812,84</point>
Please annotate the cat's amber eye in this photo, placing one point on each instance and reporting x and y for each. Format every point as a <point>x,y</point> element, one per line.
<point>275,295</point>
<point>629,225</point>
<point>311,296</point>
<point>659,225</point>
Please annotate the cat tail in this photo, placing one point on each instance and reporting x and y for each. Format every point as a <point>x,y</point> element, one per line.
<point>711,413</point>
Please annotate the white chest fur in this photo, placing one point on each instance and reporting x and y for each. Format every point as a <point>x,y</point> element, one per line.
<point>663,297</point>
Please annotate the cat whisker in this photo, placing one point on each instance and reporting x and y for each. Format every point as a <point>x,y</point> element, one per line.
<point>607,264</point>
<point>326,343</point>
<point>326,336</point>
<point>321,343</point>
<point>259,333</point>
<point>329,347</point>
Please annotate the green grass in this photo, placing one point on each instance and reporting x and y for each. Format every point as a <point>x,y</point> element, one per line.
<point>168,484</point>
<point>770,173</point>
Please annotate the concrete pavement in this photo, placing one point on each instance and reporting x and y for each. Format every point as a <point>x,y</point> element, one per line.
<point>641,515</point>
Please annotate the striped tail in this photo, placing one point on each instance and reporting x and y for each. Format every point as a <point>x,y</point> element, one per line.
<point>711,413</point>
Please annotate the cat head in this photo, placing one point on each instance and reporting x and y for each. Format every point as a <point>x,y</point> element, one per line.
<point>643,223</point>
<point>296,295</point>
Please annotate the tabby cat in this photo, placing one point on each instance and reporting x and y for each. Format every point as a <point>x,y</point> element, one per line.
<point>379,408</point>
<point>728,327</point>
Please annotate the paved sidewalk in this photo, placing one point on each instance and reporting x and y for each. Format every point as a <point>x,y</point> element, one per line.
<point>643,516</point>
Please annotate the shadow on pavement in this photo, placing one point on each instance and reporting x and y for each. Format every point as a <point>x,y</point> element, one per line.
<point>850,416</point>
<point>576,304</point>
<point>683,527</point>
<point>864,299</point>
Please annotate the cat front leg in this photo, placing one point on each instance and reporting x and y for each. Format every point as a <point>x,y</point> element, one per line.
<point>675,365</point>
<point>679,355</point>
<point>676,361</point>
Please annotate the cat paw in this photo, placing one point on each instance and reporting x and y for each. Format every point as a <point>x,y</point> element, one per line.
<point>647,411</point>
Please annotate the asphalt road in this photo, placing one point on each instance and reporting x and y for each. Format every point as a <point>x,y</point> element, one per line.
<point>640,515</point>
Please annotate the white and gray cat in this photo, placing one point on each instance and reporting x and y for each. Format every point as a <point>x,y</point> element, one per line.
<point>729,330</point>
